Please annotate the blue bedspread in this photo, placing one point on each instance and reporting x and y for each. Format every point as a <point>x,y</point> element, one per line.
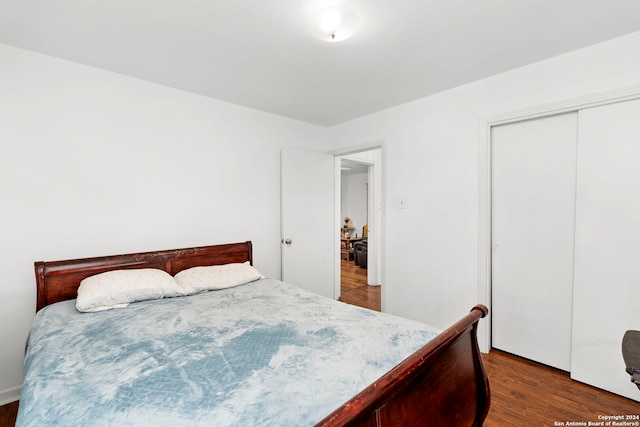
<point>261,354</point>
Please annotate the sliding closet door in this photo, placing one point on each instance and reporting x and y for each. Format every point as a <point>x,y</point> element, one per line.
<point>533,204</point>
<point>607,262</point>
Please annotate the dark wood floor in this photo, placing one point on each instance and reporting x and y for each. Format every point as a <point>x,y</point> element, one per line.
<point>8,414</point>
<point>354,289</point>
<point>526,393</point>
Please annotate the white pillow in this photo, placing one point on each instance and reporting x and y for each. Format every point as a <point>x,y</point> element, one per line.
<point>206,278</point>
<point>118,288</point>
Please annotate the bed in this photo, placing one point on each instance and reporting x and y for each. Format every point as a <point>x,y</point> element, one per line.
<point>262,353</point>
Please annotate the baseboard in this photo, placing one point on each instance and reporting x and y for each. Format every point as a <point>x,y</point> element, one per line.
<point>10,395</point>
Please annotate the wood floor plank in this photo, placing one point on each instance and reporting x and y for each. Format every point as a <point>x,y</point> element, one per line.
<point>8,414</point>
<point>354,289</point>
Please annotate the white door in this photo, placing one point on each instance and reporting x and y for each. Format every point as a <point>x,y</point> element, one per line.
<point>607,265</point>
<point>533,216</point>
<point>308,226</point>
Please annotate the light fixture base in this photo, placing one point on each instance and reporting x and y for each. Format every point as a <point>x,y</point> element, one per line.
<point>335,23</point>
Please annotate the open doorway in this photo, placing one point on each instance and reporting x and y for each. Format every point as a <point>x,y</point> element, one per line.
<point>359,210</point>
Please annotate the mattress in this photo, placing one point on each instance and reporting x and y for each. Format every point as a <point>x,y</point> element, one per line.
<point>261,354</point>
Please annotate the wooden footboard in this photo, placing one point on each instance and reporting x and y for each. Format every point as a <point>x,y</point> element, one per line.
<point>442,384</point>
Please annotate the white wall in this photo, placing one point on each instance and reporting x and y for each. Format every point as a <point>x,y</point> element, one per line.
<point>431,158</point>
<point>95,163</point>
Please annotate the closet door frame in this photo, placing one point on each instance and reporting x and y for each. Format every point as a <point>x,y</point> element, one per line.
<point>485,179</point>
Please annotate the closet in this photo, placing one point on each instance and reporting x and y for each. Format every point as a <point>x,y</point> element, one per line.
<point>566,240</point>
<point>534,182</point>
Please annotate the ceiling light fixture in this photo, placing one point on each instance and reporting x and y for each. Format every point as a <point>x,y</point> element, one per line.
<point>335,23</point>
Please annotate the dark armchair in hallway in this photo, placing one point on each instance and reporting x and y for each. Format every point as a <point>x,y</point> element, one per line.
<point>360,253</point>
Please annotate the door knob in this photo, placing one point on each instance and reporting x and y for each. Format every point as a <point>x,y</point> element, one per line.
<point>287,241</point>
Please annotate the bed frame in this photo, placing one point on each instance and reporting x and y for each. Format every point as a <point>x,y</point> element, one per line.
<point>442,384</point>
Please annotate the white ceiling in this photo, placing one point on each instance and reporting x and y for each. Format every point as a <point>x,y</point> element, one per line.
<point>262,53</point>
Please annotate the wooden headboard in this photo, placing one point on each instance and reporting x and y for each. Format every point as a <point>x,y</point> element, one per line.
<point>59,280</point>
